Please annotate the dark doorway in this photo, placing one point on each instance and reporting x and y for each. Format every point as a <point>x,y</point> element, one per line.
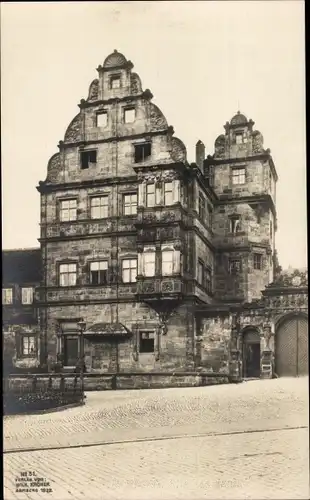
<point>251,354</point>
<point>71,350</point>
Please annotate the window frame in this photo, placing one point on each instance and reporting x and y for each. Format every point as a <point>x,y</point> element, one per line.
<point>151,336</point>
<point>4,289</point>
<point>28,354</point>
<point>60,264</point>
<point>200,272</point>
<point>114,78</point>
<point>99,206</point>
<point>69,209</point>
<point>257,263</point>
<point>146,144</point>
<point>129,269</point>
<point>133,193</point>
<point>147,194</point>
<point>106,269</point>
<point>99,113</point>
<point>87,152</point>
<point>239,135</point>
<point>130,108</point>
<point>165,191</point>
<point>32,295</point>
<point>235,174</point>
<point>231,268</point>
<point>166,251</point>
<point>235,229</point>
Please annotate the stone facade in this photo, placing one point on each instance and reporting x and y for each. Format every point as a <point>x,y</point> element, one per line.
<point>163,265</point>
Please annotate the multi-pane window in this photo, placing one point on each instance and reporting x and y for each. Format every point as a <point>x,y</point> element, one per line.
<point>99,207</point>
<point>258,260</point>
<point>27,295</point>
<point>88,158</point>
<point>234,266</point>
<point>99,272</point>
<point>202,206</point>
<point>130,204</point>
<point>235,224</point>
<point>142,151</point>
<point>7,296</point>
<point>149,263</point>
<point>200,273</point>
<point>129,270</point>
<point>146,342</point>
<point>167,262</point>
<point>68,210</point>
<point>168,193</point>
<point>130,115</point>
<point>115,82</point>
<point>208,281</point>
<point>67,274</point>
<point>28,345</point>
<point>150,195</point>
<point>238,176</point>
<point>102,119</point>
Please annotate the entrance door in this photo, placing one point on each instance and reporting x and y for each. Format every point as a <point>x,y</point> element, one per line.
<point>251,354</point>
<point>292,347</point>
<point>71,350</point>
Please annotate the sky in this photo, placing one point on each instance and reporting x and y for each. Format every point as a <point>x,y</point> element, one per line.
<point>203,61</point>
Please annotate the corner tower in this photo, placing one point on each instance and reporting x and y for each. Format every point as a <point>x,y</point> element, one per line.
<point>244,178</point>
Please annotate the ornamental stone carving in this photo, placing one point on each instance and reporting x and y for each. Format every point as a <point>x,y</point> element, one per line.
<point>157,119</point>
<point>219,147</point>
<point>178,150</point>
<point>135,84</point>
<point>93,91</point>
<point>73,133</point>
<point>53,168</point>
<point>148,287</point>
<point>257,142</point>
<point>167,286</point>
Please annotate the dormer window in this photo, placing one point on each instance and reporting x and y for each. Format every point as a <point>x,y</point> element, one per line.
<point>102,119</point>
<point>142,152</point>
<point>129,115</point>
<point>239,138</point>
<point>115,82</point>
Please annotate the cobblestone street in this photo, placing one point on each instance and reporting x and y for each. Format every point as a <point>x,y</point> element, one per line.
<point>233,441</point>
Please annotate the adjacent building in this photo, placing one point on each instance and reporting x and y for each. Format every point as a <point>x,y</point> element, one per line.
<point>172,266</point>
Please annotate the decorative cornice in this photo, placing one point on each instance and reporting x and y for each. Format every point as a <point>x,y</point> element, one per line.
<point>47,188</point>
<point>146,94</point>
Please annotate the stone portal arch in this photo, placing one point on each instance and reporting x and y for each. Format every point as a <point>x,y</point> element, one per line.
<point>291,348</point>
<point>251,352</point>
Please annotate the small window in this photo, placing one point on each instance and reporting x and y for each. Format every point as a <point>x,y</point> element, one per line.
<point>27,295</point>
<point>68,210</point>
<point>99,273</point>
<point>67,274</point>
<point>146,342</point>
<point>142,152</point>
<point>258,261</point>
<point>239,138</point>
<point>238,176</point>
<point>235,225</point>
<point>7,296</point>
<point>167,262</point>
<point>88,158</point>
<point>208,281</point>
<point>200,273</point>
<point>202,207</point>
<point>102,119</point>
<point>130,204</point>
<point>99,207</point>
<point>149,263</point>
<point>130,115</point>
<point>168,193</point>
<point>129,270</point>
<point>234,266</point>
<point>28,345</point>
<point>150,195</point>
<point>115,82</point>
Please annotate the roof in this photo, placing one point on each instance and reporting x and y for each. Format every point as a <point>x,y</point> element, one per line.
<point>115,60</point>
<point>21,266</point>
<point>238,119</point>
<point>108,329</point>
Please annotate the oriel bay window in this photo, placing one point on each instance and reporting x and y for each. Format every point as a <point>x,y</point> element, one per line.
<point>67,274</point>
<point>99,207</point>
<point>129,270</point>
<point>168,193</point>
<point>167,262</point>
<point>149,260</point>
<point>68,210</point>
<point>99,272</point>
<point>150,195</point>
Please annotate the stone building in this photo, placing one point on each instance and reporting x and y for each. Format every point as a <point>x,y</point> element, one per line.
<point>169,264</point>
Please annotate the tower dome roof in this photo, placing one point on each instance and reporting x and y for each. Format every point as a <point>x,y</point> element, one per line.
<point>114,60</point>
<point>238,119</point>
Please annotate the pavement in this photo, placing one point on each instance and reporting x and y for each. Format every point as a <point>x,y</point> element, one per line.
<point>243,441</point>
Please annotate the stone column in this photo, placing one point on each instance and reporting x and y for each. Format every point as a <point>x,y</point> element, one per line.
<point>267,354</point>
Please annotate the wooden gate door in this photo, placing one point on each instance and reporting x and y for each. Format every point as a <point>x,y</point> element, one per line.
<point>292,347</point>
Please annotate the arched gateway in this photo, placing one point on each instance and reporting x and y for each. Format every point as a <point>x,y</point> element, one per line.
<point>292,345</point>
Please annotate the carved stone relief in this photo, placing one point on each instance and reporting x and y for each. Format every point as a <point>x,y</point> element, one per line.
<point>220,147</point>
<point>157,119</point>
<point>257,142</point>
<point>135,84</point>
<point>93,90</point>
<point>53,168</point>
<point>73,133</point>
<point>178,151</point>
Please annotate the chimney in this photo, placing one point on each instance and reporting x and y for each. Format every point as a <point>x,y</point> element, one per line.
<point>200,154</point>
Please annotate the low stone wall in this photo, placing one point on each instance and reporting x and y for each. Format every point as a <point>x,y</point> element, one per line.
<point>113,381</point>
